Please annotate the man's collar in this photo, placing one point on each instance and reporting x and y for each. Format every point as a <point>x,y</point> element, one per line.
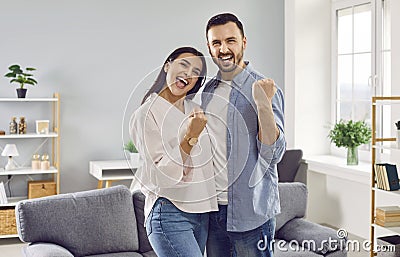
<point>240,77</point>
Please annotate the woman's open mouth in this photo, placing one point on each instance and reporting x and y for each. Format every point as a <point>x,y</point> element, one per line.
<point>181,82</point>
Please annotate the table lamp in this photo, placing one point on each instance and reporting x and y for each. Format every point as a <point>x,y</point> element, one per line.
<point>10,150</point>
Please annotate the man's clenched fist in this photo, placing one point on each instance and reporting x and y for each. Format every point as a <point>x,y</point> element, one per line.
<point>263,91</point>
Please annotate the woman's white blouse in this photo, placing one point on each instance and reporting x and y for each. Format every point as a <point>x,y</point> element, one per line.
<point>157,128</point>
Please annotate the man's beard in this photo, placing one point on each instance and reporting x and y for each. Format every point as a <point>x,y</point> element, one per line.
<point>233,65</point>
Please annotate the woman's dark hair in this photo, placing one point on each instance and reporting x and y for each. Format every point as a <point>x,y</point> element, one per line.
<point>222,19</point>
<point>161,78</point>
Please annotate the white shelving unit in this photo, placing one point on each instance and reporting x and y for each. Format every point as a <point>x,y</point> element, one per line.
<point>29,135</point>
<point>12,201</point>
<point>54,99</point>
<point>8,236</point>
<point>53,136</point>
<point>377,145</point>
<point>27,171</point>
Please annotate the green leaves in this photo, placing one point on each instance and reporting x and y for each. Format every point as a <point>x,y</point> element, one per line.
<point>350,134</point>
<point>30,81</point>
<point>16,68</point>
<point>19,76</point>
<point>10,75</point>
<point>130,147</point>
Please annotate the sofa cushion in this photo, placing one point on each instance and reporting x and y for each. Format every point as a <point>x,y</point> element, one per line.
<point>293,197</point>
<point>314,237</point>
<point>85,223</point>
<point>138,203</point>
<point>46,250</point>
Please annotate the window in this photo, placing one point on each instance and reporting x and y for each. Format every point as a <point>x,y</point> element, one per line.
<point>354,53</point>
<point>384,63</point>
<point>361,58</point>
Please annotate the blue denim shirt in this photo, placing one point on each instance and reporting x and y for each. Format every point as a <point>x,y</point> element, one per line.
<point>253,196</point>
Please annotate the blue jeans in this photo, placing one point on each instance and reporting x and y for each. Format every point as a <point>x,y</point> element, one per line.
<point>172,232</point>
<point>221,243</point>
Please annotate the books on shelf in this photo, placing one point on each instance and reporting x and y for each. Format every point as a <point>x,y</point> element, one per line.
<point>388,216</point>
<point>387,177</point>
<point>3,196</point>
<point>387,224</point>
<point>388,210</point>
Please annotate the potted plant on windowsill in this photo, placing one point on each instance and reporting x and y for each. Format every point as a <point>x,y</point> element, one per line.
<point>18,75</point>
<point>133,153</point>
<point>350,134</point>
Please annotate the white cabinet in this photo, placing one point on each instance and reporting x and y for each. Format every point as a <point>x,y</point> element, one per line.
<point>31,143</point>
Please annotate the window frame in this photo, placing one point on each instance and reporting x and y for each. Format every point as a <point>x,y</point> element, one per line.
<point>376,62</point>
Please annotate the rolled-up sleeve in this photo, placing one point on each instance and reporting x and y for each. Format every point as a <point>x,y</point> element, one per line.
<point>272,154</point>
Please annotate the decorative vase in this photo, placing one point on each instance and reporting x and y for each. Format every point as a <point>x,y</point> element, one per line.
<point>134,158</point>
<point>352,155</point>
<point>21,92</point>
<point>45,163</point>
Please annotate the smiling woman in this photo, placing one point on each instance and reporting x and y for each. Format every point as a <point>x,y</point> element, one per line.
<point>161,79</point>
<point>182,75</point>
<point>177,176</point>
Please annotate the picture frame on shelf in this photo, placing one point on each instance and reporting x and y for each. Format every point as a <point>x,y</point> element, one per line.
<point>42,126</point>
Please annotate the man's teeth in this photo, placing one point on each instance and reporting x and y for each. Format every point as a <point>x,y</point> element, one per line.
<point>226,58</point>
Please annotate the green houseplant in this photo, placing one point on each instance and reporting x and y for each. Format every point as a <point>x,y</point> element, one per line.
<point>133,153</point>
<point>350,134</point>
<point>130,147</point>
<point>18,75</point>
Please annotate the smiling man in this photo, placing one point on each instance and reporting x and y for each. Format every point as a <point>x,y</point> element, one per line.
<point>245,118</point>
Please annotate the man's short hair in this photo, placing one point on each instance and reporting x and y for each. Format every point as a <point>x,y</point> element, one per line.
<point>224,18</point>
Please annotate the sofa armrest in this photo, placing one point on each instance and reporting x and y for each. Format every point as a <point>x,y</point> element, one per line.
<point>46,250</point>
<point>293,198</point>
<point>314,237</point>
<point>301,175</point>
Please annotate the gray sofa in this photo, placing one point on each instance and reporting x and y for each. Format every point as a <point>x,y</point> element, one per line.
<point>109,223</point>
<point>295,236</point>
<point>97,223</point>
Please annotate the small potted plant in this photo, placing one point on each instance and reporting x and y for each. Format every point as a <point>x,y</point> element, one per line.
<point>133,153</point>
<point>350,134</point>
<point>18,75</point>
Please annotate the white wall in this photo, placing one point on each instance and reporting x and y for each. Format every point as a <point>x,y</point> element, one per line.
<point>307,73</point>
<point>339,202</point>
<point>94,52</point>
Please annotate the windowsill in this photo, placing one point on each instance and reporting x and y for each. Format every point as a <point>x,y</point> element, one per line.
<point>336,166</point>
